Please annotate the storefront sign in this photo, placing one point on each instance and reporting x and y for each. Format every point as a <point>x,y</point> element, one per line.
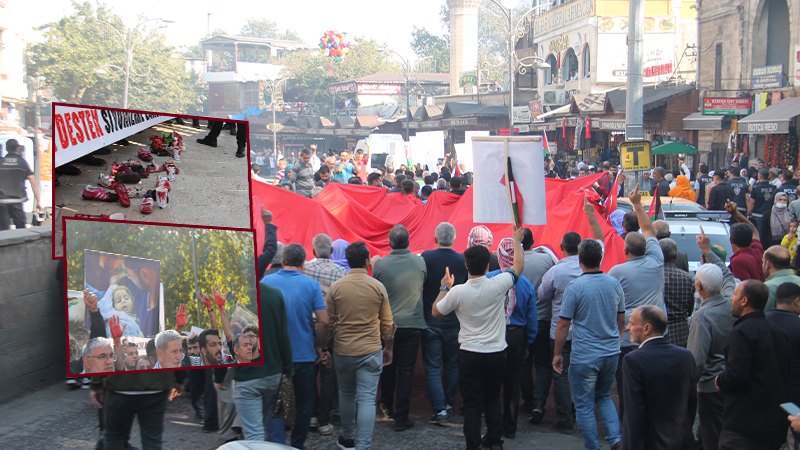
<point>536,108</point>
<point>562,16</point>
<point>635,155</point>
<point>713,106</point>
<point>343,132</point>
<point>521,114</point>
<point>619,125</point>
<point>523,128</point>
<point>768,77</point>
<point>612,60</point>
<point>468,78</point>
<point>325,131</point>
<point>558,44</point>
<point>431,124</point>
<point>379,89</point>
<point>767,127</point>
<point>541,127</point>
<point>460,122</point>
<point>413,125</point>
<point>342,88</point>
<point>704,140</point>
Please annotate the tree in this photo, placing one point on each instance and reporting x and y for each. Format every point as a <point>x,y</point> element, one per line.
<point>437,49</point>
<point>267,29</point>
<point>78,45</point>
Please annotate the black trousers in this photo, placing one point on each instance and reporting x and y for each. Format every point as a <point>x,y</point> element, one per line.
<point>197,385</point>
<point>12,212</point>
<point>623,351</point>
<point>710,407</point>
<point>397,379</point>
<point>515,352</point>
<point>480,376</point>
<point>729,440</point>
<point>210,413</point>
<point>540,357</point>
<point>328,392</point>
<point>120,409</point>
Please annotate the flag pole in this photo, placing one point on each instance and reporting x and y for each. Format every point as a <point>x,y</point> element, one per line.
<point>508,182</point>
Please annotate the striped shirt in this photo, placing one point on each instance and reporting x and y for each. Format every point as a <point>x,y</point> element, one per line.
<point>325,271</point>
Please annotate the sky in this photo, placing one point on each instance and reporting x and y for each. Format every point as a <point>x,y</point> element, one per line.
<point>387,22</point>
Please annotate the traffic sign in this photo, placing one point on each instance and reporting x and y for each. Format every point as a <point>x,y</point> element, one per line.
<point>635,155</point>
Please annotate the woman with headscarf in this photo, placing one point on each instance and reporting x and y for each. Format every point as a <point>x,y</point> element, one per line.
<point>338,253</point>
<point>482,235</point>
<point>776,224</point>
<point>683,189</point>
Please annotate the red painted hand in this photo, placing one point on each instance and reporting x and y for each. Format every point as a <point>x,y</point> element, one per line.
<point>209,304</point>
<point>113,325</point>
<point>181,319</point>
<point>219,298</point>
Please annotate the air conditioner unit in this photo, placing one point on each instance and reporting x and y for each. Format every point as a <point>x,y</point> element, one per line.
<point>554,97</point>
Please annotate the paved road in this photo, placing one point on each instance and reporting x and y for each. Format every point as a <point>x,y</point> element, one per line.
<point>57,418</point>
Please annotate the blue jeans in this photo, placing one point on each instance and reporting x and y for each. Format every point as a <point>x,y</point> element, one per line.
<point>305,384</point>
<point>358,383</point>
<point>440,351</point>
<point>254,400</point>
<point>591,386</point>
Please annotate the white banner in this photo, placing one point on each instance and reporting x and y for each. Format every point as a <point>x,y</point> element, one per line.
<point>490,197</point>
<point>426,148</point>
<point>78,131</point>
<point>464,151</point>
<point>612,58</point>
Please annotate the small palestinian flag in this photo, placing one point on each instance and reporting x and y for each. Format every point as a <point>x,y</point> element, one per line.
<point>655,207</point>
<point>546,144</point>
<point>517,204</point>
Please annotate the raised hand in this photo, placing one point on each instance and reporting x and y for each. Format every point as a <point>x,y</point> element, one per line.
<point>266,216</point>
<point>90,300</point>
<point>181,319</point>
<point>588,207</point>
<point>703,241</point>
<point>730,207</point>
<point>448,280</point>
<point>219,298</point>
<point>635,197</point>
<point>206,300</point>
<point>113,325</point>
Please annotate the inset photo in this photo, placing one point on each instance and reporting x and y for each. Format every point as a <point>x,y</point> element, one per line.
<point>132,165</point>
<point>143,296</point>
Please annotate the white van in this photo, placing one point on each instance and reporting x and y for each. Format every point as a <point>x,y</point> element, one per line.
<point>385,150</point>
<point>27,154</point>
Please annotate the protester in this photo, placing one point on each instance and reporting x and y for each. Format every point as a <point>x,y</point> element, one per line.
<point>270,242</point>
<point>338,249</point>
<point>682,189</point>
<point>777,270</point>
<point>720,193</point>
<point>775,224</point>
<point>756,378</point>
<point>661,227</point>
<point>747,249</point>
<point>660,183</point>
<point>550,295</point>
<point>594,305</point>
<point>708,335</point>
<point>303,298</point>
<point>630,224</point>
<point>789,241</point>
<point>403,275</point>
<point>785,315</point>
<point>679,294</point>
<point>660,391</point>
<point>479,306</point>
<point>521,329</point>
<point>482,235</point>
<point>440,344</point>
<point>641,278</point>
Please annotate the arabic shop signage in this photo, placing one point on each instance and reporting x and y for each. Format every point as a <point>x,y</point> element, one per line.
<point>727,106</point>
<point>768,77</point>
<point>342,88</point>
<point>562,16</point>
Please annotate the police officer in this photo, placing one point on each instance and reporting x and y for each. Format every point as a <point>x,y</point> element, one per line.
<point>14,170</point>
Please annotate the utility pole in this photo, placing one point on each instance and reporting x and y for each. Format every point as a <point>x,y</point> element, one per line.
<point>634,123</point>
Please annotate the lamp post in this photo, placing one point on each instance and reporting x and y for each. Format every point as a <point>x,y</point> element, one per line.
<point>507,6</point>
<point>407,69</point>
<point>273,88</point>
<point>129,44</point>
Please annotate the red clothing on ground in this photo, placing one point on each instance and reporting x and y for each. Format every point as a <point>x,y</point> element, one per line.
<point>746,263</point>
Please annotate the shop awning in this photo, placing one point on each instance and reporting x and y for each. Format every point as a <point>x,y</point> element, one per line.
<point>774,119</point>
<point>673,148</point>
<point>697,121</point>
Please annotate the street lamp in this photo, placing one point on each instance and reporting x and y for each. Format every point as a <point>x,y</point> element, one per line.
<point>407,69</point>
<point>513,31</point>
<point>130,44</point>
<point>273,88</point>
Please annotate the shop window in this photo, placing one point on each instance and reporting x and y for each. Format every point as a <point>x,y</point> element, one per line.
<point>569,68</point>
<point>251,94</point>
<point>587,62</point>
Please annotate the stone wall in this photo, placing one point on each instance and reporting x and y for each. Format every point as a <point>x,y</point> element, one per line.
<point>32,326</point>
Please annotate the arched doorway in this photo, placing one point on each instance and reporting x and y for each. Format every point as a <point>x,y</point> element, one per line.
<point>772,40</point>
<point>586,64</point>
<point>569,67</point>
<point>549,74</point>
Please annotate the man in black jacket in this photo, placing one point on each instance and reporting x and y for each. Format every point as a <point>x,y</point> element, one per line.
<point>719,194</point>
<point>785,315</point>
<point>756,379</point>
<point>660,391</point>
<point>270,242</point>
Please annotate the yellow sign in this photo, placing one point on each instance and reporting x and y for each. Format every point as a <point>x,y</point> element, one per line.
<point>644,193</point>
<point>635,155</point>
<point>275,127</point>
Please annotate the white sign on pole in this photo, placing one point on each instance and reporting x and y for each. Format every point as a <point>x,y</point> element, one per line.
<point>78,131</point>
<point>490,196</point>
<point>464,151</point>
<point>427,147</point>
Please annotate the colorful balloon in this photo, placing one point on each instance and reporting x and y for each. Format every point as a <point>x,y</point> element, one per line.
<point>333,45</point>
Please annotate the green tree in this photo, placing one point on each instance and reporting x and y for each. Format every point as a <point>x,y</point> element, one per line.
<point>435,48</point>
<point>78,45</point>
<point>224,259</point>
<point>267,29</point>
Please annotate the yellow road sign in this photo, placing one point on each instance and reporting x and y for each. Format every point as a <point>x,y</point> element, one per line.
<point>635,155</point>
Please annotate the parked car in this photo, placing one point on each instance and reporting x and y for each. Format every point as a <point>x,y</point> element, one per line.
<point>667,204</point>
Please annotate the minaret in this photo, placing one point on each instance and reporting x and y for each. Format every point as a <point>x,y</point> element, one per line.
<point>463,40</point>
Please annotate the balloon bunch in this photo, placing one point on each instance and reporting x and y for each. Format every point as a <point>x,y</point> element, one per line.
<point>333,45</point>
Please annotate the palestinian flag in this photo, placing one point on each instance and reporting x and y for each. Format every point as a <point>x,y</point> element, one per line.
<point>611,201</point>
<point>517,204</point>
<point>655,207</point>
<point>546,144</point>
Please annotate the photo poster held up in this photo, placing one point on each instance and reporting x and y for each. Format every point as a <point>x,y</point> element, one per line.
<point>491,197</point>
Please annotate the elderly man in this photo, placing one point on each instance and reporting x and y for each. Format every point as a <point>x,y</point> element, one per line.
<point>660,182</point>
<point>403,275</point>
<point>776,264</point>
<point>98,356</point>
<point>169,347</point>
<point>325,272</point>
<point>661,227</point>
<point>440,340</point>
<point>303,174</point>
<point>243,349</point>
<point>678,294</point>
<point>708,335</point>
<point>303,297</point>
<point>659,386</point>
<point>641,277</point>
<point>647,182</point>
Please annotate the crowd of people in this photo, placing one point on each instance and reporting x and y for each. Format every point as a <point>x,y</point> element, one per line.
<point>699,360</point>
